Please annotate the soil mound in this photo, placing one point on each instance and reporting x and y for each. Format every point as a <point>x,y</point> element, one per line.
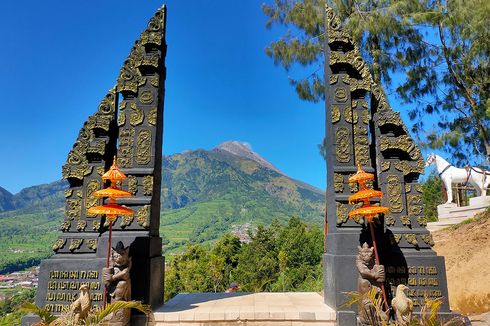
<point>466,248</point>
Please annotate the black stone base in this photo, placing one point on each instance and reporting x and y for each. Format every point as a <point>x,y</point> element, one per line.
<point>28,320</point>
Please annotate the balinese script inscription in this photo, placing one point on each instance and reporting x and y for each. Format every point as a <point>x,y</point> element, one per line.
<point>421,280</point>
<point>63,288</point>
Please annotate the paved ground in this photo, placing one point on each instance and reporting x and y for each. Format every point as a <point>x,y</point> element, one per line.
<point>299,308</point>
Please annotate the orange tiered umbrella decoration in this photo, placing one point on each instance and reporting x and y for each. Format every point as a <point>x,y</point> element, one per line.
<point>111,210</point>
<point>368,211</point>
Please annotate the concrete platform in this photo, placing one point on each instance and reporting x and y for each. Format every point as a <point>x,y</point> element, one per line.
<point>243,308</point>
<point>450,214</point>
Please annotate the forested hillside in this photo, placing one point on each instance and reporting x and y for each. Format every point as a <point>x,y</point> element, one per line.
<point>204,193</point>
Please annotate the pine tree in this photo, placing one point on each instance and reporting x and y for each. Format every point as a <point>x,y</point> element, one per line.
<point>452,81</point>
<point>442,47</point>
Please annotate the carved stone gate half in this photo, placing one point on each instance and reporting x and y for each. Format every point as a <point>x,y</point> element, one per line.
<point>361,128</point>
<point>131,117</point>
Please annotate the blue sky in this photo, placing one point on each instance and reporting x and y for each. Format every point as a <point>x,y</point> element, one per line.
<point>60,58</point>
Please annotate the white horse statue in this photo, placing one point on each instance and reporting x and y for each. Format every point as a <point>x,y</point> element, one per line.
<point>479,179</point>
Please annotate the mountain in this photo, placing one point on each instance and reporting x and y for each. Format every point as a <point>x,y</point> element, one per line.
<point>5,200</point>
<point>205,193</point>
<point>244,150</point>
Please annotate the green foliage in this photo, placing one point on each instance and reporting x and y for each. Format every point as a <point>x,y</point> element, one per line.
<point>46,317</point>
<point>441,47</point>
<point>278,258</point>
<point>375,25</point>
<point>95,317</point>
<point>371,303</point>
<point>432,196</point>
<point>451,79</point>
<point>203,194</point>
<point>10,312</point>
<point>429,313</point>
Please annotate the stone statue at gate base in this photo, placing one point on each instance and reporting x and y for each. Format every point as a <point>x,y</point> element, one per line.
<point>403,306</point>
<point>80,308</point>
<point>117,280</point>
<point>371,276</point>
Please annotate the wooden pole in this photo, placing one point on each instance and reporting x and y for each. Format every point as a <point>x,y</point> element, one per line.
<point>104,301</point>
<point>385,299</point>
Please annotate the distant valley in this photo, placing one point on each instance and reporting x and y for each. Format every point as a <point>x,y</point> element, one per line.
<point>205,193</point>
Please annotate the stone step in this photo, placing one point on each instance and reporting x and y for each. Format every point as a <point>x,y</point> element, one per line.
<point>244,308</point>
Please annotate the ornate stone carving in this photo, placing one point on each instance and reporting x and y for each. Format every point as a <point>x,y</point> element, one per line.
<point>341,95</point>
<point>365,117</point>
<point>405,220</point>
<point>389,117</point>
<point>342,216</point>
<point>107,105</point>
<point>411,239</point>
<point>132,184</point>
<point>361,145</point>
<point>68,192</point>
<point>422,220</point>
<point>394,193</point>
<point>335,114</point>
<point>410,167</point>
<point>338,180</point>
<point>415,205</point>
<point>397,237</point>
<point>350,115</point>
<point>419,188</point>
<point>152,116</point>
<point>130,78</point>
<point>343,145</point>
<point>389,219</point>
<point>125,153</point>
<point>353,186</point>
<point>404,143</point>
<point>60,243</point>
<point>153,33</point>
<point>143,147</point>
<point>126,220</point>
<point>92,244</point>
<point>354,59</point>
<point>148,185</point>
<point>75,244</point>
<point>117,279</point>
<point>143,216</point>
<point>65,226</point>
<point>385,166</point>
<point>363,84</point>
<point>408,188</point>
<point>96,225</point>
<point>154,81</point>
<point>427,238</point>
<point>371,276</point>
<point>121,118</point>
<point>81,225</point>
<point>100,170</point>
<point>73,208</point>
<point>333,79</point>
<point>136,116</point>
<point>90,200</point>
<point>146,97</point>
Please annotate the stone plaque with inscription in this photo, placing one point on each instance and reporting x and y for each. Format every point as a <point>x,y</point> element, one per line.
<point>362,129</point>
<point>128,123</point>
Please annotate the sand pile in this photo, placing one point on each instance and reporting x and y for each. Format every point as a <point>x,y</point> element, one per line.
<point>467,252</point>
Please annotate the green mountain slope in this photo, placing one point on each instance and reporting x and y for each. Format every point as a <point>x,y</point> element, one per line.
<point>5,200</point>
<point>204,193</point>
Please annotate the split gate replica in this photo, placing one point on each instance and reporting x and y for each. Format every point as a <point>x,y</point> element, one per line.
<point>361,129</point>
